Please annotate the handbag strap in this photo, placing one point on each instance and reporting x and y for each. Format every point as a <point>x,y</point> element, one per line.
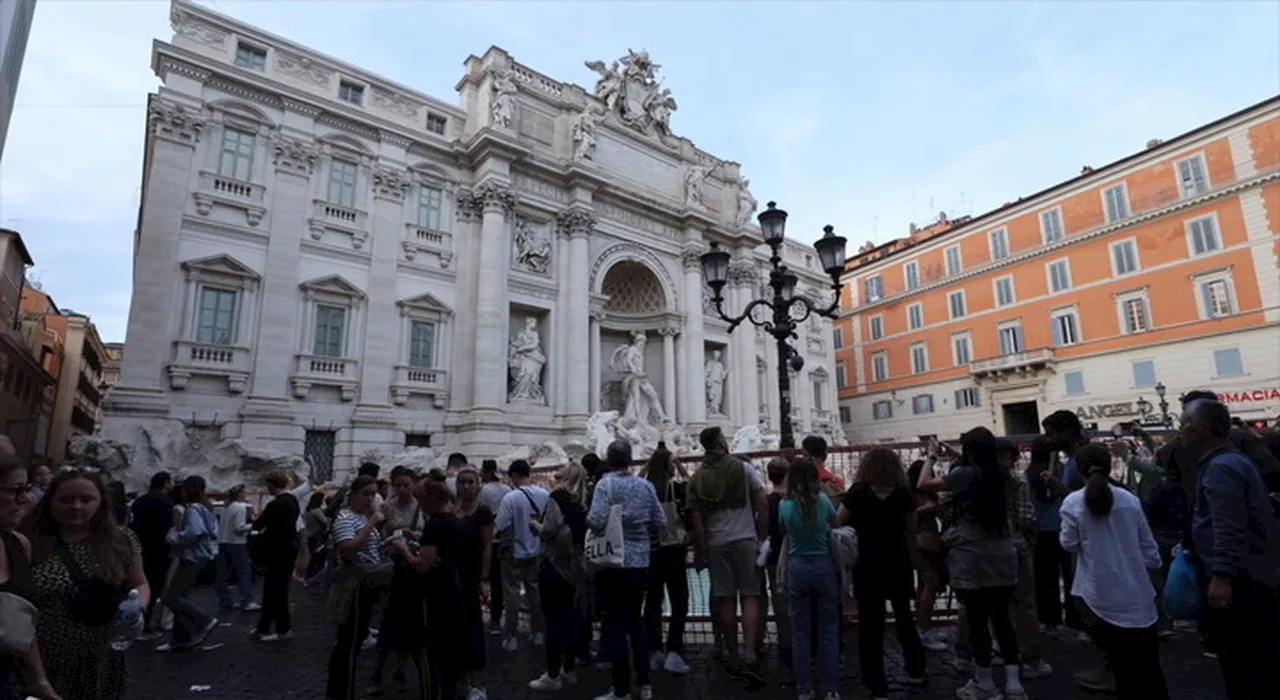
<point>69,563</point>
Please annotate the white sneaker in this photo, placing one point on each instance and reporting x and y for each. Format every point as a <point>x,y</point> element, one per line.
<point>539,639</point>
<point>646,692</point>
<point>569,678</point>
<point>675,664</point>
<point>510,644</point>
<point>656,659</point>
<point>546,683</point>
<point>807,695</point>
<point>477,694</point>
<point>976,691</point>
<point>832,696</point>
<point>1031,672</point>
<point>933,640</point>
<point>276,637</point>
<point>608,695</point>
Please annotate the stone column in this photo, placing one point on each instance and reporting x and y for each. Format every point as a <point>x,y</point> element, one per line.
<point>579,224</point>
<point>593,372</point>
<point>490,348</point>
<point>669,370</point>
<point>742,281</point>
<point>693,398</point>
<point>174,133</point>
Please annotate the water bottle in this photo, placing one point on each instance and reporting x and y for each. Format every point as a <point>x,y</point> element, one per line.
<point>129,614</point>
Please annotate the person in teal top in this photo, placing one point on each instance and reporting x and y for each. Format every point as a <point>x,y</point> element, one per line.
<point>807,539</point>
<point>813,582</point>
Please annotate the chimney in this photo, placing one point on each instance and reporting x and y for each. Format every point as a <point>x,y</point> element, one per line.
<point>1154,142</point>
<point>1086,170</point>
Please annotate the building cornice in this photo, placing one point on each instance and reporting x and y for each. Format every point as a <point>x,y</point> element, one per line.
<point>1232,189</point>
<point>1174,148</point>
<point>231,26</point>
<point>250,86</point>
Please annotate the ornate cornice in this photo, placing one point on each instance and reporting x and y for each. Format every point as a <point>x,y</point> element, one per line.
<point>295,156</point>
<point>576,222</point>
<point>174,122</point>
<point>394,139</point>
<point>391,185</point>
<point>495,197</point>
<point>348,125</point>
<point>691,256</point>
<point>299,107</point>
<point>168,64</point>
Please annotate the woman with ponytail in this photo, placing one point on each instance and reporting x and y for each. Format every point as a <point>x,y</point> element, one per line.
<point>813,582</point>
<point>982,560</point>
<point>1104,526</point>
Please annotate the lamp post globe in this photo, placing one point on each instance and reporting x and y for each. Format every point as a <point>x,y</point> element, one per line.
<point>773,224</point>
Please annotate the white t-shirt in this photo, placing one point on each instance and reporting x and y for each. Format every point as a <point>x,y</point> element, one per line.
<point>1114,553</point>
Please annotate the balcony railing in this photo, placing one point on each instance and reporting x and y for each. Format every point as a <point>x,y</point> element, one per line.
<point>1025,361</point>
<point>420,239</point>
<point>421,381</point>
<point>233,362</point>
<point>340,215</point>
<point>230,192</point>
<point>318,370</point>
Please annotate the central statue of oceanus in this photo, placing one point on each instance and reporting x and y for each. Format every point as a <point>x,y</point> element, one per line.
<point>641,402</point>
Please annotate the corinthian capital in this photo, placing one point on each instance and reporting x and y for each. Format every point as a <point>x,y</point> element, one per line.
<point>691,255</point>
<point>743,273</point>
<point>575,222</point>
<point>467,205</point>
<point>294,156</point>
<point>174,122</point>
<point>495,197</point>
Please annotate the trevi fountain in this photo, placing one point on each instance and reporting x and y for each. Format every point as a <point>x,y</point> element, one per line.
<point>391,276</point>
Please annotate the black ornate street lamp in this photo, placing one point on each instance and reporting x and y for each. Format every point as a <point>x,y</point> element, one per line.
<point>789,310</point>
<point>1164,404</point>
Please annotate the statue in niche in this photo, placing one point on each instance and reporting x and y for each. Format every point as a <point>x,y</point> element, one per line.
<point>584,134</point>
<point>746,203</point>
<point>714,373</point>
<point>694,176</point>
<point>525,362</point>
<point>640,399</point>
<point>503,107</point>
<point>532,247</point>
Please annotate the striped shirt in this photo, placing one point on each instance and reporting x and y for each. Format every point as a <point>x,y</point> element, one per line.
<point>347,525</point>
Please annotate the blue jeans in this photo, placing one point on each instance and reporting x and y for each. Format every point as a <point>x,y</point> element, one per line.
<point>813,585</point>
<point>234,557</point>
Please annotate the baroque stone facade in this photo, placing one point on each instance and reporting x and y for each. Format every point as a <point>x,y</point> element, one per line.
<point>330,265</point>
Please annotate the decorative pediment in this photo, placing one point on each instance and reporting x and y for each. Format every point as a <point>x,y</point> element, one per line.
<point>222,265</point>
<point>425,304</point>
<point>331,285</point>
<point>819,373</point>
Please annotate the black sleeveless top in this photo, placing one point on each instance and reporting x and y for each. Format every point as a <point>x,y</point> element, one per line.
<point>20,583</point>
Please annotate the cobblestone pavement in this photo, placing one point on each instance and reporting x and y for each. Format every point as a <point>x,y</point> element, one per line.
<point>235,667</point>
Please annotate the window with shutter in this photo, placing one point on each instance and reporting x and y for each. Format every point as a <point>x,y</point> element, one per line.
<point>1204,235</point>
<point>1216,297</point>
<point>1117,203</point>
<point>1191,176</point>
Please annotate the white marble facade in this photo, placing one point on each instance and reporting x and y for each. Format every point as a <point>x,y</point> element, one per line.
<point>333,262</point>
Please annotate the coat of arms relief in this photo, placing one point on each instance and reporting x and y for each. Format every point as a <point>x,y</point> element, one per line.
<point>631,90</point>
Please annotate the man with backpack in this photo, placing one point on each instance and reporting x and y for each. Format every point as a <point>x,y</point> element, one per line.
<point>521,551</point>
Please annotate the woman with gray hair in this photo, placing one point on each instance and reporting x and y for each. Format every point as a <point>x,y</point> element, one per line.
<point>622,589</point>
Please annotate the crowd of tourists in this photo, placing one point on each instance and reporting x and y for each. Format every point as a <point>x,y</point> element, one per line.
<point>1046,539</point>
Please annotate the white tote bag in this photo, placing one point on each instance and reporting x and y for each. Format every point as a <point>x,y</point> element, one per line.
<point>605,550</point>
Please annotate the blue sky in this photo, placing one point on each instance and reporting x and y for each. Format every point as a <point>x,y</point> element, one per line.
<point>865,115</point>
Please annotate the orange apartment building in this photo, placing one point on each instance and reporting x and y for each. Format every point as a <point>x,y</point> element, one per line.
<point>24,381</point>
<point>75,356</point>
<point>1159,270</point>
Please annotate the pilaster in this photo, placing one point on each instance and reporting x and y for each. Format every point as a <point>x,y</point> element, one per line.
<point>693,410</point>
<point>294,163</point>
<point>174,132</point>
<point>578,224</point>
<point>742,286</point>
<point>383,342</point>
